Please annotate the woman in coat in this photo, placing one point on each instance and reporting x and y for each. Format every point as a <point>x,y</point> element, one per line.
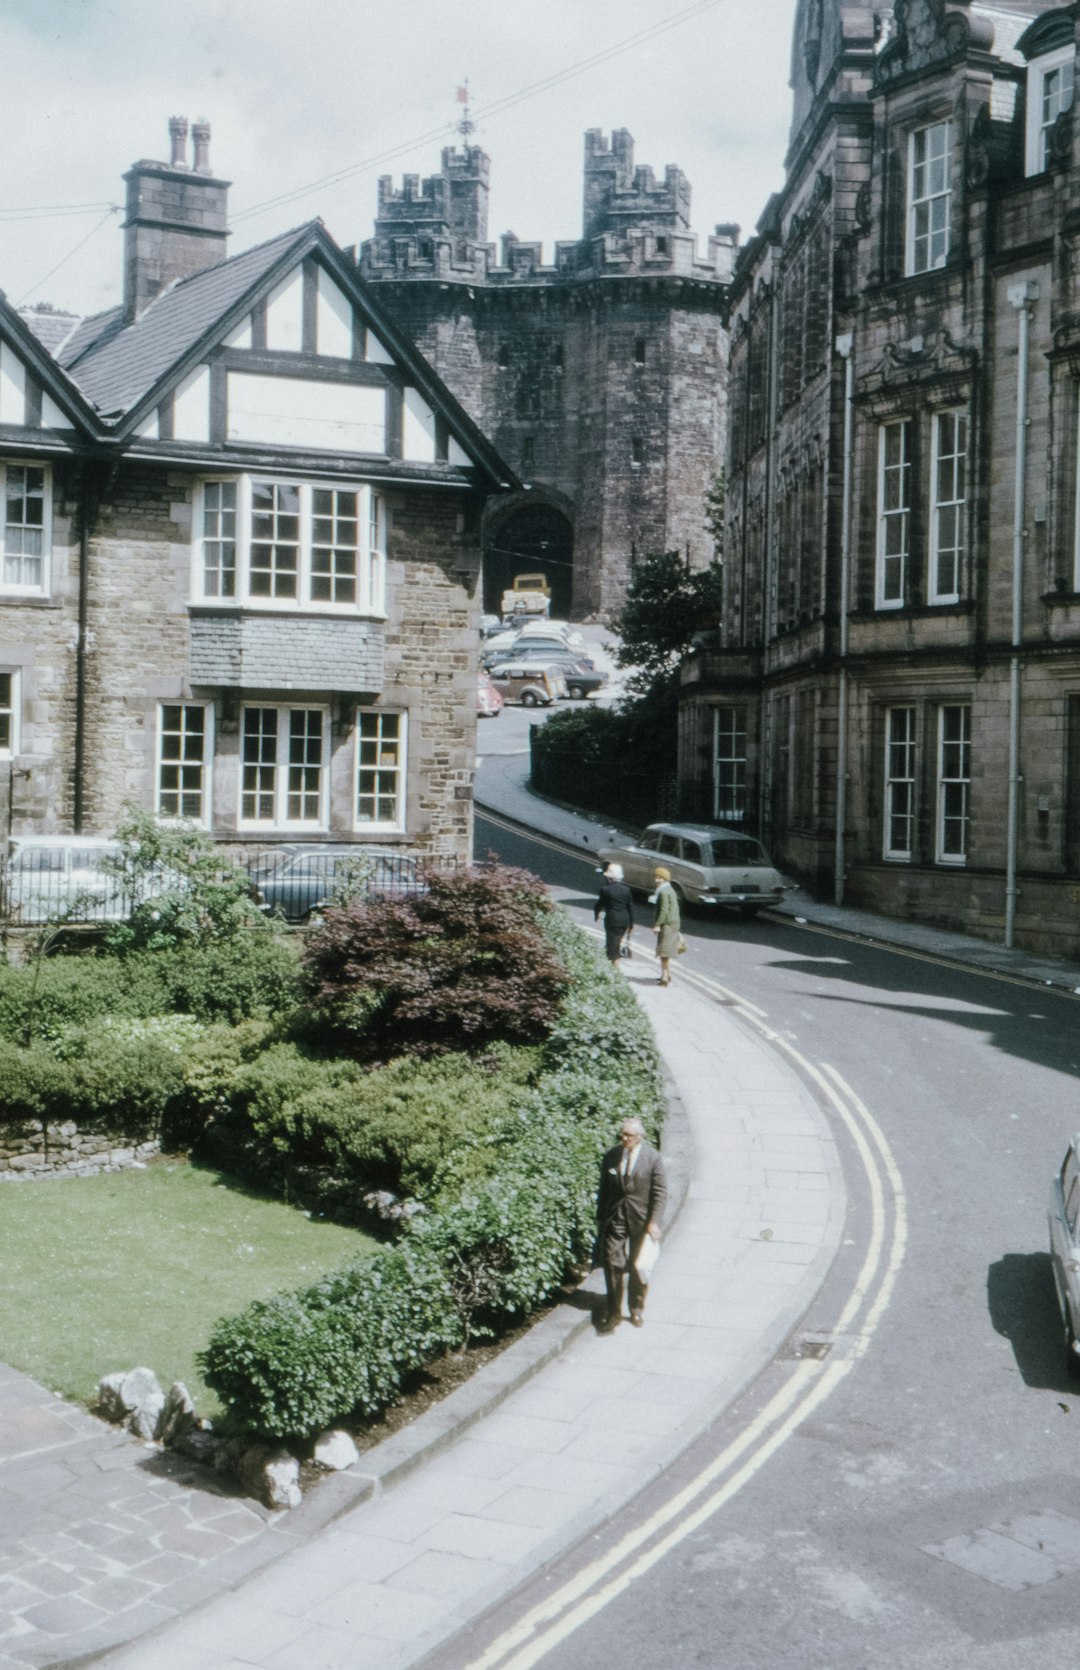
<point>667,922</point>
<point>616,903</point>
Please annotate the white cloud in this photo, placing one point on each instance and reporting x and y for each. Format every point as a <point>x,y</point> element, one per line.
<point>297,91</point>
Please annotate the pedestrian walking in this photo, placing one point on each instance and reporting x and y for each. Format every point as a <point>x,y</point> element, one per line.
<point>667,922</point>
<point>615,903</point>
<point>629,1212</point>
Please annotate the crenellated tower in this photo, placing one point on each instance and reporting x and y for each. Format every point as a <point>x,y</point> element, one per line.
<point>600,374</point>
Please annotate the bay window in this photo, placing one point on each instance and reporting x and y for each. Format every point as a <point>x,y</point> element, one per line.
<point>290,545</point>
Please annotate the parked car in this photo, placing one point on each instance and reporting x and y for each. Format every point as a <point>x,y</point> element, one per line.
<point>489,702</point>
<point>1064,1217</point>
<point>580,675</point>
<point>64,877</point>
<point>530,683</point>
<point>496,650</point>
<point>709,865</point>
<point>489,624</point>
<point>299,880</point>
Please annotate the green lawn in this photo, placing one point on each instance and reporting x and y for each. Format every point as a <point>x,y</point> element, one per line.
<point>131,1269</point>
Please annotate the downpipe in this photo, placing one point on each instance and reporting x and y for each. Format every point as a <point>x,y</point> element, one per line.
<point>843,348</point>
<point>1020,297</point>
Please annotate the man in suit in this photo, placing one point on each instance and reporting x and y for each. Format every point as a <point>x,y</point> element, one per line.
<point>630,1206</point>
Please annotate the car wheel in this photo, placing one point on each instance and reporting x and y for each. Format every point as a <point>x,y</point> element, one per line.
<point>576,693</point>
<point>529,698</point>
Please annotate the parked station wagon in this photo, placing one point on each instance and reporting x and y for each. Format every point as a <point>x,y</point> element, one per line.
<point>53,878</point>
<point>1064,1216</point>
<point>709,865</point>
<point>527,682</point>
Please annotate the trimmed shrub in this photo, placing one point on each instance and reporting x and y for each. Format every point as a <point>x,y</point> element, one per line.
<point>463,964</point>
<point>130,1085</point>
<point>513,1212</point>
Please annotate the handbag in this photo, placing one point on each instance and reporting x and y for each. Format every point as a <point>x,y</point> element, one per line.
<point>625,948</point>
<point>682,946</point>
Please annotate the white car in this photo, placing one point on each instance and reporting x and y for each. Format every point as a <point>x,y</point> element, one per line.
<point>58,878</point>
<point>1064,1216</point>
<point>709,865</point>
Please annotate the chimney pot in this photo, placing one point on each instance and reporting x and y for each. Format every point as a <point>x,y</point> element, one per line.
<point>178,132</point>
<point>200,133</point>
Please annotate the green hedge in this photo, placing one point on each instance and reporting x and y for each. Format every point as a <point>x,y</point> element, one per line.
<point>514,1211</point>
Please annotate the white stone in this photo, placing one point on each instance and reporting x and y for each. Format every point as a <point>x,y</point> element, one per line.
<point>272,1475</point>
<point>335,1450</point>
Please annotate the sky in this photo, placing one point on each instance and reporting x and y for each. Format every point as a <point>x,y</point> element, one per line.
<point>311,101</point>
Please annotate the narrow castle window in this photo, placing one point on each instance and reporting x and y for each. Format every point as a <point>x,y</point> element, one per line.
<point>504,356</point>
<point>558,356</point>
<point>639,351</point>
<point>661,246</point>
<point>637,451</point>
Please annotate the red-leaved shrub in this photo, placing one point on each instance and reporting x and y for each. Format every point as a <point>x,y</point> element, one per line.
<point>465,963</point>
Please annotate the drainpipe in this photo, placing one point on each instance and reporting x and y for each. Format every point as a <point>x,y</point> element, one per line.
<point>1020,297</point>
<point>86,499</point>
<point>843,348</point>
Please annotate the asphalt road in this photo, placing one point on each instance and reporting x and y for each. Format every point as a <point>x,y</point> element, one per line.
<point>928,1513</point>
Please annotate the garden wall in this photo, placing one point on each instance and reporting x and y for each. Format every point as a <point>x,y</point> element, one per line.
<point>33,1151</point>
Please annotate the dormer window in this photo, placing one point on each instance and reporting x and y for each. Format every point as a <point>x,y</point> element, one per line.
<point>1050,90</point>
<point>929,188</point>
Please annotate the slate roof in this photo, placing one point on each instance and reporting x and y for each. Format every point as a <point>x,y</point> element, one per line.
<point>116,367</point>
<point>51,327</point>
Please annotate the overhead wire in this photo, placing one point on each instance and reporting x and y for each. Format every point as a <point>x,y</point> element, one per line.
<point>486,112</point>
<point>112,209</point>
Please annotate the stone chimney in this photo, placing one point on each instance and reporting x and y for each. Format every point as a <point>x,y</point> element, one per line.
<point>176,218</point>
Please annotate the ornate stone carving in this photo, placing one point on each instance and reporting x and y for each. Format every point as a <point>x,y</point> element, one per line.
<point>1060,139</point>
<point>930,32</point>
<point>919,360</point>
<point>864,208</point>
<point>977,165</point>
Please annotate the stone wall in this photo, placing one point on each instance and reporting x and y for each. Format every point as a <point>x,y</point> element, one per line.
<point>32,1151</point>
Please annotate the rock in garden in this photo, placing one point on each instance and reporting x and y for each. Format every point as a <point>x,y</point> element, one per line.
<point>271,1475</point>
<point>135,1398</point>
<point>178,1416</point>
<point>335,1450</point>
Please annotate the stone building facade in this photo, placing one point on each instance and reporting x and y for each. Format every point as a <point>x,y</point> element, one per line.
<point>600,377</point>
<point>239,548</point>
<point>894,702</point>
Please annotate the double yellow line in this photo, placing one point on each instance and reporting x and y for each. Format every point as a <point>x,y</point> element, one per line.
<point>811,1381</point>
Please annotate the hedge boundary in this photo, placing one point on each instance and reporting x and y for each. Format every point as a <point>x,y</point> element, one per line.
<point>288,1367</point>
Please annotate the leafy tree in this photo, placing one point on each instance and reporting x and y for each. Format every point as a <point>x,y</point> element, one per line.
<point>715,508</point>
<point>666,604</point>
<point>184,892</point>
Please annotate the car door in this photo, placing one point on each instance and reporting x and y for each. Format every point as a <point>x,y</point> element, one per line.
<point>688,871</point>
<point>639,860</point>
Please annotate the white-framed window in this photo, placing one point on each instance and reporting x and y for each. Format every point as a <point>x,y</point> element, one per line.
<point>9,713</point>
<point>953,782</point>
<point>283,767</point>
<point>928,191</point>
<point>729,767</point>
<point>894,512</point>
<point>380,769</point>
<point>290,545</point>
<point>1050,87</point>
<point>948,475</point>
<point>899,841</point>
<point>185,750</point>
<point>25,529</point>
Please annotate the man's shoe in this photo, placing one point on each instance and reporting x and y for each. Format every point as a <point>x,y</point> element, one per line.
<point>636,1319</point>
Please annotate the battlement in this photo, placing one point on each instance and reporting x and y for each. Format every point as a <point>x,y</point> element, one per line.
<point>633,226</point>
<point>618,195</point>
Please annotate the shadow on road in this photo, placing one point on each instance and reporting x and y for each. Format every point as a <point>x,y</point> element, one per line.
<point>1023,1307</point>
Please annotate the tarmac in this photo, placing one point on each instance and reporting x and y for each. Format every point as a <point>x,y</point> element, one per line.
<point>115,1554</point>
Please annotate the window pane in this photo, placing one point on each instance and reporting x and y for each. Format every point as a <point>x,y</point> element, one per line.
<point>930,160</point>
<point>275,540</point>
<point>954,781</point>
<point>893,511</point>
<point>335,546</point>
<point>24,527</point>
<point>259,764</point>
<point>7,714</point>
<point>729,768</point>
<point>899,782</point>
<point>380,769</point>
<point>182,777</point>
<point>304,798</point>
<point>219,539</point>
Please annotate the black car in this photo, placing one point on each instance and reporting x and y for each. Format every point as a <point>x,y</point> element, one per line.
<point>297,881</point>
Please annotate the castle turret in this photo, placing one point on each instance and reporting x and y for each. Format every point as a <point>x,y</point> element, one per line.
<point>619,196</point>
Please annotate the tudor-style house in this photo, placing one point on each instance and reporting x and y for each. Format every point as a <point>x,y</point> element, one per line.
<point>239,549</point>
<point>894,703</point>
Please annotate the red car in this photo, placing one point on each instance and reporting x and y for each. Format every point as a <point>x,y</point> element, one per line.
<point>489,702</point>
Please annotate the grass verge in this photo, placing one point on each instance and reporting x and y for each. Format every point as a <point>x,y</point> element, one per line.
<point>134,1268</point>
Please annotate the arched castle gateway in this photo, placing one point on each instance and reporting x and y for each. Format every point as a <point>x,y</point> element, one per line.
<point>600,378</point>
